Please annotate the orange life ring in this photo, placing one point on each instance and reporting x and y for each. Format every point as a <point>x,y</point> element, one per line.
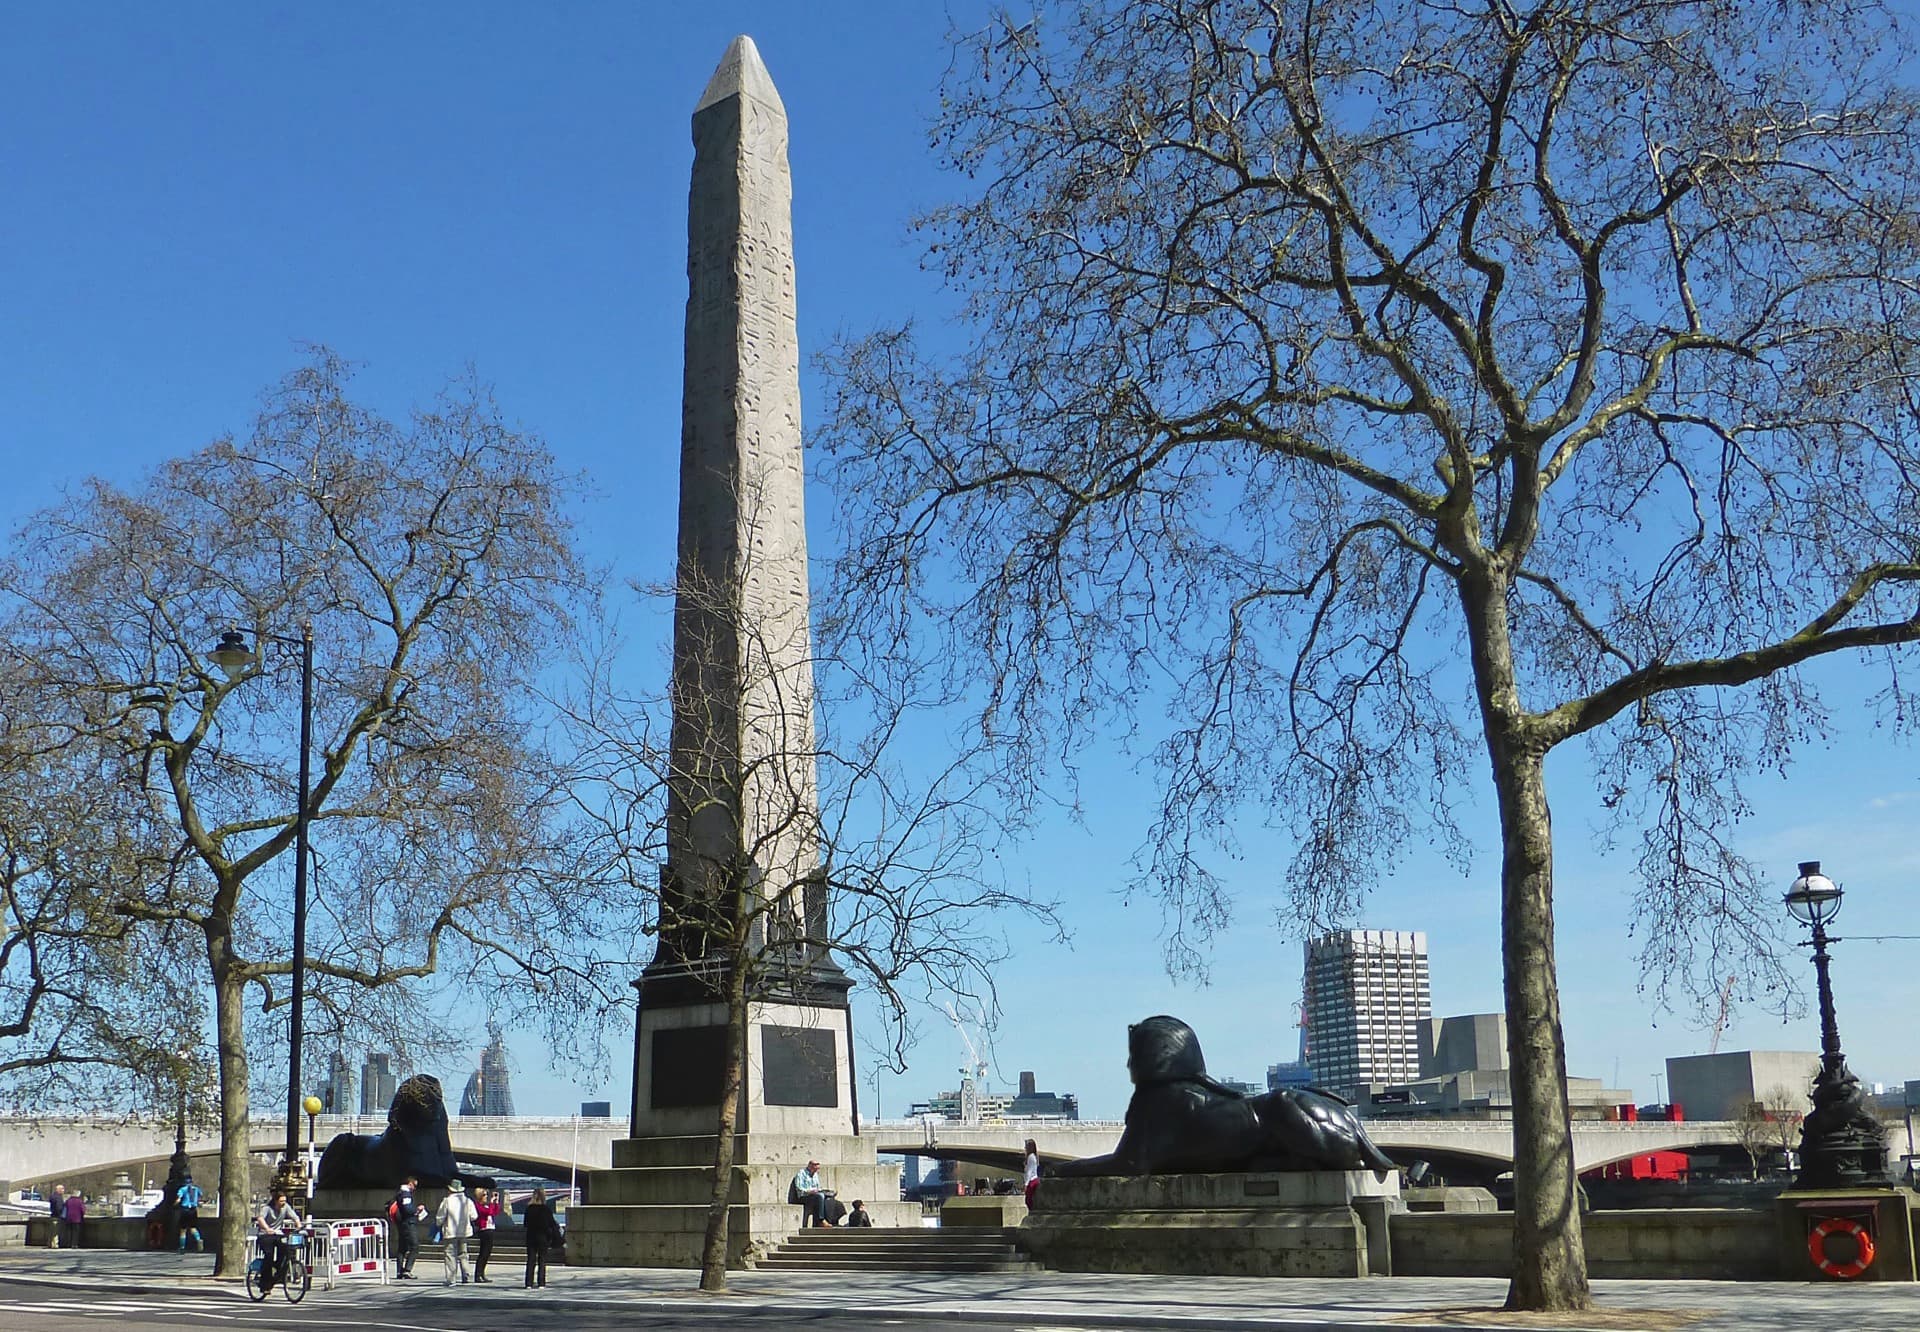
<point>1862,1247</point>
<point>156,1234</point>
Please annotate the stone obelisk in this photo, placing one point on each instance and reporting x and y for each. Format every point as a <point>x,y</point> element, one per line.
<point>742,797</point>
<point>742,877</point>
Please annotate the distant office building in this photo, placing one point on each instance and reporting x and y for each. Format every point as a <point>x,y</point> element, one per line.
<point>336,1093</point>
<point>949,1105</point>
<point>596,1109</point>
<point>1720,1086</point>
<point>1283,1077</point>
<point>990,1105</point>
<point>1367,996</point>
<point>1463,1071</point>
<point>489,1093</point>
<point>1471,1044</point>
<point>377,1083</point>
<point>1244,1088</point>
<point>1045,1105</point>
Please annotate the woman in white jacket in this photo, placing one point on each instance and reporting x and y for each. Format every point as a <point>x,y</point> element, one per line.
<point>456,1219</point>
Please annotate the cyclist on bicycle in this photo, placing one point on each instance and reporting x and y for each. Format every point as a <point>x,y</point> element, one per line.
<point>276,1219</point>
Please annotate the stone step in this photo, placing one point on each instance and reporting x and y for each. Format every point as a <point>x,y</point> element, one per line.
<point>842,1237</point>
<point>698,1150</point>
<point>786,1262</point>
<point>906,1250</point>
<point>692,1186</point>
<point>903,1250</point>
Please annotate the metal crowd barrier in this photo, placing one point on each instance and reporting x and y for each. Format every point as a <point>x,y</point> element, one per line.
<point>350,1250</point>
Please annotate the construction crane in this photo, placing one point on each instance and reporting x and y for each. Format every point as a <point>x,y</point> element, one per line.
<point>1720,1022</point>
<point>971,1074</point>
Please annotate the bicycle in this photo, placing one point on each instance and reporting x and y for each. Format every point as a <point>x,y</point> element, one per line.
<point>296,1281</point>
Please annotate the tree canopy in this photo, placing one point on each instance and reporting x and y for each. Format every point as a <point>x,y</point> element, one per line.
<point>1383,382</point>
<point>432,559</point>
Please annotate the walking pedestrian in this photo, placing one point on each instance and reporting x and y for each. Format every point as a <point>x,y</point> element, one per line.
<point>455,1219</point>
<point>188,1201</point>
<point>543,1233</point>
<point>72,1213</point>
<point>486,1207</point>
<point>58,1206</point>
<point>404,1214</point>
<point>1032,1171</point>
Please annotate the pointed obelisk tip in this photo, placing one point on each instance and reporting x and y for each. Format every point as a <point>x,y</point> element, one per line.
<point>741,73</point>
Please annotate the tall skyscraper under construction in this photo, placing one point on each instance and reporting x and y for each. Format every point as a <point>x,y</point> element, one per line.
<point>1367,995</point>
<point>488,1091</point>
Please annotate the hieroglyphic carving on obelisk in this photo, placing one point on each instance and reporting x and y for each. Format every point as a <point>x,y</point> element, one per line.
<point>742,796</point>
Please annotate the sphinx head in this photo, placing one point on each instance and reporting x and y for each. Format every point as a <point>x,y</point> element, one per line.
<point>418,1105</point>
<point>1163,1049</point>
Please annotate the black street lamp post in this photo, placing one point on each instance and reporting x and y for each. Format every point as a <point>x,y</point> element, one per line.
<point>233,656</point>
<point>178,1169</point>
<point>1841,1143</point>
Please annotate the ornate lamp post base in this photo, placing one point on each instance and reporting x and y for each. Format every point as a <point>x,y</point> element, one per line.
<point>291,1179</point>
<point>167,1213</point>
<point>1842,1146</point>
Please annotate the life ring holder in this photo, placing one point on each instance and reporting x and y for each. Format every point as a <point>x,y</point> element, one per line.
<point>156,1235</point>
<point>1862,1247</point>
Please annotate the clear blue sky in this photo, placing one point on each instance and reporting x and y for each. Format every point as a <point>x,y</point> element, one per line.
<point>194,191</point>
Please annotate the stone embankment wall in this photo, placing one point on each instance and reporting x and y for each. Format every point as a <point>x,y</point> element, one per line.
<point>1700,1244</point>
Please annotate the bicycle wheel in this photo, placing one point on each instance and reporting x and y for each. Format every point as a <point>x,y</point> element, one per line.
<point>299,1279</point>
<point>255,1290</point>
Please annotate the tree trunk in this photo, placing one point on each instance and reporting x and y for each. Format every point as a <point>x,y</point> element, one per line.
<point>236,1158</point>
<point>1550,1261</point>
<point>713,1252</point>
<point>1549,1256</point>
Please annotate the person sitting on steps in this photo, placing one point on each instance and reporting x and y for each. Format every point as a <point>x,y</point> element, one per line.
<point>859,1216</point>
<point>806,1190</point>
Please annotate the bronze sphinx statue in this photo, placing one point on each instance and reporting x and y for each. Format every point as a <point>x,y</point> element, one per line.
<point>417,1142</point>
<point>1180,1121</point>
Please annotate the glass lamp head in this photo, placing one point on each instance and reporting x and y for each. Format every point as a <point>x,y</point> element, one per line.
<point>1814,899</point>
<point>232,655</point>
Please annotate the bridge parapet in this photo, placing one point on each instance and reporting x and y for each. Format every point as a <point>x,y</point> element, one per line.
<point>1595,1143</point>
<point>40,1147</point>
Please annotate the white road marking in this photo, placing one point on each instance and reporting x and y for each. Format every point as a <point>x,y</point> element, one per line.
<point>97,1309</point>
<point>201,1309</point>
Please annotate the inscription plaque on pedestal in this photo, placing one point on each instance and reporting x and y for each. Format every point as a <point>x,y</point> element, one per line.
<point>688,1066</point>
<point>799,1066</point>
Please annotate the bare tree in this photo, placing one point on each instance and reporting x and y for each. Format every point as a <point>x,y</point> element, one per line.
<point>84,991</point>
<point>1753,1129</point>
<point>1785,1111</point>
<point>841,854</point>
<point>1770,1126</point>
<point>1378,383</point>
<point>433,561</point>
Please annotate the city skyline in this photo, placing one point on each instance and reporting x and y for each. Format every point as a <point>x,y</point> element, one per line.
<point>527,174</point>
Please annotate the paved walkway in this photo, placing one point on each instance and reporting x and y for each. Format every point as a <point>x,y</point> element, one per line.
<point>1057,1298</point>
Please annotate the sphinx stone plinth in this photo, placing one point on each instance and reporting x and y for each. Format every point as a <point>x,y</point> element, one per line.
<point>1322,1223</point>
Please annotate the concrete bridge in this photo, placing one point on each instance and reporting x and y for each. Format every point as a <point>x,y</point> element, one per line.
<point>42,1149</point>
<point>1457,1148</point>
<point>37,1150</point>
